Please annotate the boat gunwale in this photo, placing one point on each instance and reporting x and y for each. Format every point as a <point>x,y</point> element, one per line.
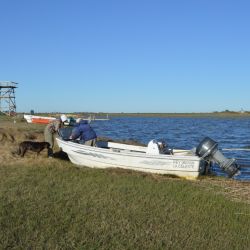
<point>132,153</point>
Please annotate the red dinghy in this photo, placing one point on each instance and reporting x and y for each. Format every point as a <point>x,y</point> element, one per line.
<point>38,119</point>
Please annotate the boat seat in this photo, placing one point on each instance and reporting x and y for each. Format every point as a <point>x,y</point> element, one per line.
<point>101,144</point>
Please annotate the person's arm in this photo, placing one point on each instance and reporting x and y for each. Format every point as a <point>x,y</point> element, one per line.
<point>57,125</point>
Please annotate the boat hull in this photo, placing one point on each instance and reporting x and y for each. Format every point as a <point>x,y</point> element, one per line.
<point>189,167</point>
<point>38,119</point>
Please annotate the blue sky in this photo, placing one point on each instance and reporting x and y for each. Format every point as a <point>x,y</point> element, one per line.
<point>127,55</point>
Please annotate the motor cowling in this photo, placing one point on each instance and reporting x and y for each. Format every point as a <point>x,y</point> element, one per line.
<point>208,149</point>
<point>158,147</point>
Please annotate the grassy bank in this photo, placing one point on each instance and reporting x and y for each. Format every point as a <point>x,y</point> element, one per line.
<point>51,204</point>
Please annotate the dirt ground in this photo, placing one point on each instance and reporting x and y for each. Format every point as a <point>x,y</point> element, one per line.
<point>12,133</point>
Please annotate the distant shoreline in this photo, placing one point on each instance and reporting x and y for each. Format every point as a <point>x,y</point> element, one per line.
<point>191,115</point>
<point>160,115</point>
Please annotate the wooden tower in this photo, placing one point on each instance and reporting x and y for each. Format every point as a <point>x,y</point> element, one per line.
<point>7,98</point>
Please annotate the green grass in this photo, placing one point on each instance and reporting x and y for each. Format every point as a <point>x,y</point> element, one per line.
<point>53,205</point>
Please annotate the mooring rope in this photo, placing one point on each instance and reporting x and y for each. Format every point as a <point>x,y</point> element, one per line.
<point>236,149</point>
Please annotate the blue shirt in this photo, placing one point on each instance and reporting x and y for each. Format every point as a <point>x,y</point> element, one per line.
<point>83,131</point>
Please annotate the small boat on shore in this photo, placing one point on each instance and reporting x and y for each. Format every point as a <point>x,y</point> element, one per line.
<point>153,158</point>
<point>38,119</point>
<point>117,155</point>
<point>48,119</point>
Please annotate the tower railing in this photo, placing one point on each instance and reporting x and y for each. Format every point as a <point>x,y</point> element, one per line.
<point>7,98</point>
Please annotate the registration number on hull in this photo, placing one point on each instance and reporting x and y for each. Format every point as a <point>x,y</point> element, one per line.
<point>184,164</point>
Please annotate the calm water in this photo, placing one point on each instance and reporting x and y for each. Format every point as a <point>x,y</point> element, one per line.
<point>185,133</point>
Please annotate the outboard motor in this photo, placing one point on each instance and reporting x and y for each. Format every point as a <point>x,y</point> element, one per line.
<point>208,149</point>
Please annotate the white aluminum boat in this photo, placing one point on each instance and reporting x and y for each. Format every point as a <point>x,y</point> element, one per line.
<point>181,163</point>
